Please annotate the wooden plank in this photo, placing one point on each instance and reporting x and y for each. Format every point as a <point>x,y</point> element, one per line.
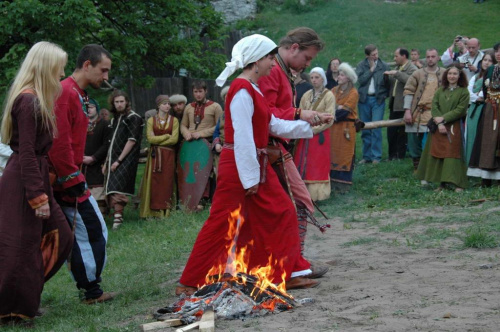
<point>207,321</point>
<point>188,327</point>
<point>161,325</point>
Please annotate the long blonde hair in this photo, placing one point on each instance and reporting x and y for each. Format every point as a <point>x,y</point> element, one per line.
<point>40,72</point>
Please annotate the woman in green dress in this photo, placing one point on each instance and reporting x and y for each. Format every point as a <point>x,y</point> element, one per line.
<point>442,159</point>
<point>476,103</point>
<point>157,192</point>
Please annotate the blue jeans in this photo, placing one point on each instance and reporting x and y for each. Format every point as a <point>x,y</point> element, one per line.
<point>370,111</point>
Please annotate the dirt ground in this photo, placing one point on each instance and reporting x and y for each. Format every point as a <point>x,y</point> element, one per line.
<point>389,284</point>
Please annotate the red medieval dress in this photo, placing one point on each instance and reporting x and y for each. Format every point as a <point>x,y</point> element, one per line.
<point>312,155</point>
<point>31,249</point>
<point>269,214</point>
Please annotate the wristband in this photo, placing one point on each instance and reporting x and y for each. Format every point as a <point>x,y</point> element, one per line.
<point>118,161</point>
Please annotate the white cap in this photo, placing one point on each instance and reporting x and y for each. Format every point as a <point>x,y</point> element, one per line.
<point>321,72</point>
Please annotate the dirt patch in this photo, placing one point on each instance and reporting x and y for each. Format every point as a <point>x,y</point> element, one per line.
<point>378,281</point>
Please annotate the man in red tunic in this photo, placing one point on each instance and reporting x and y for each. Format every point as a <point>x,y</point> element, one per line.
<point>296,50</point>
<point>70,189</point>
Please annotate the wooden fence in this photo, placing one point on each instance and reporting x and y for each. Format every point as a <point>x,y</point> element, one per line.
<point>144,99</point>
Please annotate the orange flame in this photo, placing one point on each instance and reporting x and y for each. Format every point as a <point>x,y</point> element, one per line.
<point>238,260</point>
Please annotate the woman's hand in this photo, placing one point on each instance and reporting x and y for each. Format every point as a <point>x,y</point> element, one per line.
<point>442,129</point>
<point>104,169</point>
<point>87,160</point>
<point>252,190</point>
<point>218,148</point>
<point>325,117</point>
<point>309,116</point>
<point>43,211</point>
<point>438,119</point>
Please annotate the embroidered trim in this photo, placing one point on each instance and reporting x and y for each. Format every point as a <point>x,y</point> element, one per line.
<point>36,202</point>
<point>66,178</point>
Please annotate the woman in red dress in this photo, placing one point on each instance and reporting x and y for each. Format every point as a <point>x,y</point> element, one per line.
<point>247,179</point>
<point>35,238</point>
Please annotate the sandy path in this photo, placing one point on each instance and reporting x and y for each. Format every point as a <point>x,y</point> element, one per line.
<point>390,285</point>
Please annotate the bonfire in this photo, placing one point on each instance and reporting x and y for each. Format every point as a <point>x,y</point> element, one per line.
<point>232,290</point>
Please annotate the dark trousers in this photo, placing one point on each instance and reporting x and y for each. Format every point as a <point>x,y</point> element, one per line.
<point>396,137</point>
<point>89,249</point>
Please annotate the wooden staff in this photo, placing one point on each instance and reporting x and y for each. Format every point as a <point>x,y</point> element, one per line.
<point>384,123</point>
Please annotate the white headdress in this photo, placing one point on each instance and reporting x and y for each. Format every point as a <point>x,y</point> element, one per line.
<point>321,72</point>
<point>349,72</point>
<point>245,51</point>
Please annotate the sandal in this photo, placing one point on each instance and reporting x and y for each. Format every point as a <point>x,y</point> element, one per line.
<point>117,222</point>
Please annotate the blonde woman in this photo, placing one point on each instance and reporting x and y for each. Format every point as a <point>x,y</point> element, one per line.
<point>157,192</point>
<point>35,238</point>
<point>343,131</point>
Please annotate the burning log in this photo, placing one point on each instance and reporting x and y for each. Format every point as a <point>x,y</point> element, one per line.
<point>383,123</point>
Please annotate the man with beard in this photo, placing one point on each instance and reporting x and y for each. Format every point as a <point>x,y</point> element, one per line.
<point>296,50</point>
<point>178,103</point>
<point>418,94</point>
<point>120,167</point>
<point>70,188</point>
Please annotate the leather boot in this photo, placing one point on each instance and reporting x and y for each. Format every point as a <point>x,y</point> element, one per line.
<point>301,283</point>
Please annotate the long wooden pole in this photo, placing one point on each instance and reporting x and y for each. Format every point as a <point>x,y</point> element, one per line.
<point>384,123</point>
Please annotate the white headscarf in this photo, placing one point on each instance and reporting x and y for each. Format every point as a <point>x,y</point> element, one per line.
<point>245,51</point>
<point>321,72</point>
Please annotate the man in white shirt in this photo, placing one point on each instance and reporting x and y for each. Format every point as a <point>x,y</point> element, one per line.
<point>470,60</point>
<point>456,49</point>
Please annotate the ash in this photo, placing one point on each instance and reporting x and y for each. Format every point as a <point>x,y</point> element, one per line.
<point>231,298</point>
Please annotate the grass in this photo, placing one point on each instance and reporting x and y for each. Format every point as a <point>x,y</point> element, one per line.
<point>347,26</point>
<point>480,237</point>
<point>145,258</point>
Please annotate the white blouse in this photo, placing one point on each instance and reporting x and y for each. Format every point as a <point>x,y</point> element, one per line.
<point>245,152</point>
<point>474,96</point>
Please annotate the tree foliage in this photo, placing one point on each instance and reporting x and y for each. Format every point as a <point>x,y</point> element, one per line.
<point>141,34</point>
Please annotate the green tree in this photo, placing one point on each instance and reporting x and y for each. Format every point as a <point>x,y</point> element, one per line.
<point>141,34</point>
